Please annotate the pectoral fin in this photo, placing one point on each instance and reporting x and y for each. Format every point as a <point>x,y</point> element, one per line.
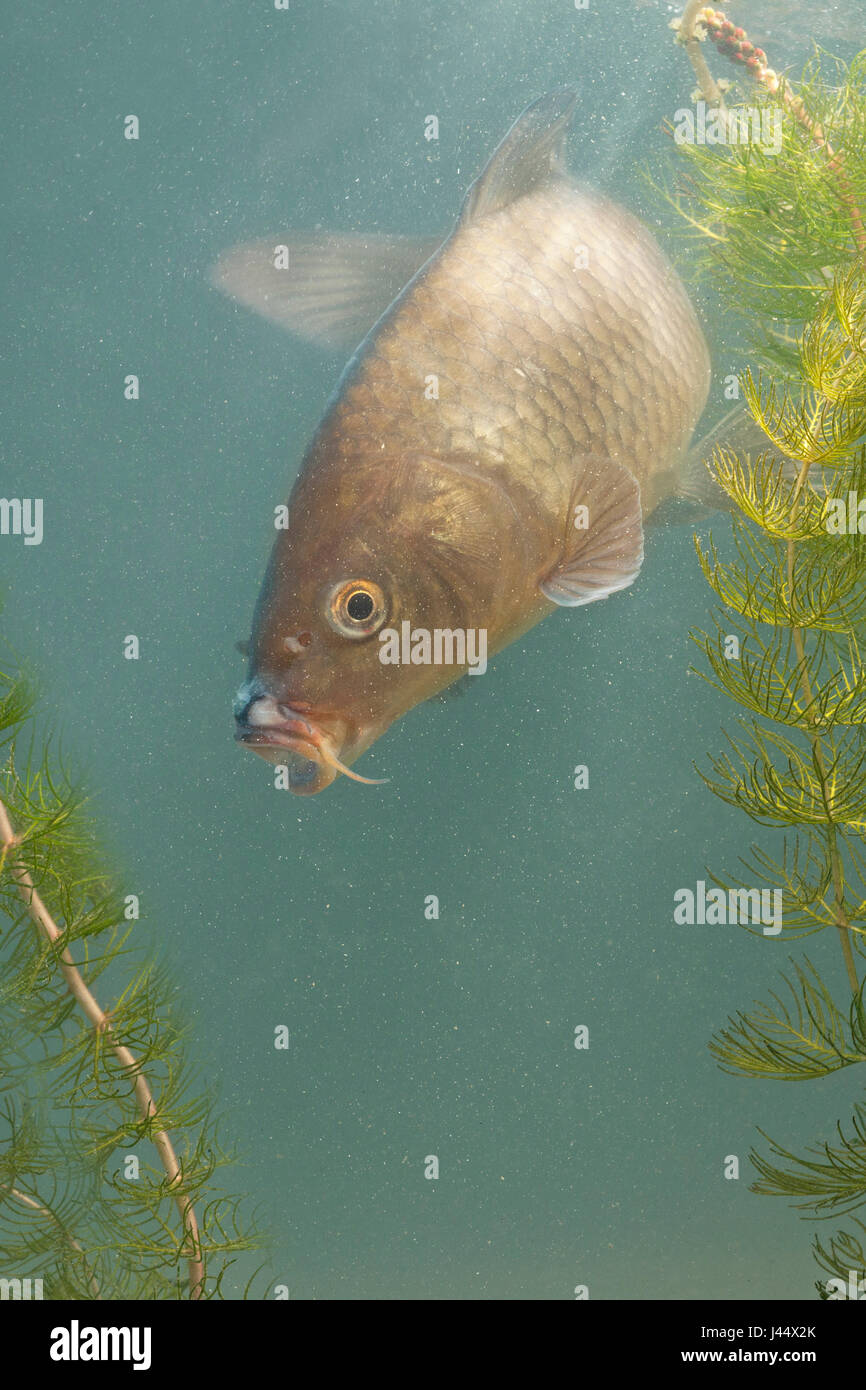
<point>603,543</point>
<point>333,289</point>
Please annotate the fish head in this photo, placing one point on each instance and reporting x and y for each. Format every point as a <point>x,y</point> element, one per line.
<point>410,540</point>
<point>314,697</point>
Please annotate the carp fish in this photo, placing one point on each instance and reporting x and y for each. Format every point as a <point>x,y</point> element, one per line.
<point>523,402</point>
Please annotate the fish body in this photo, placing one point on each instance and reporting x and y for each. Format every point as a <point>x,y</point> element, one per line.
<point>489,454</point>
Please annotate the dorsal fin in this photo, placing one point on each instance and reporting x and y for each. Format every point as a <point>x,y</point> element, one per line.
<point>531,153</point>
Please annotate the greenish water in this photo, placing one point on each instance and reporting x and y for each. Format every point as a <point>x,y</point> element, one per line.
<point>409,1037</point>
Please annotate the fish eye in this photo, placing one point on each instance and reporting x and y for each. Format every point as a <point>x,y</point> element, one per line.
<point>357,608</point>
<point>360,606</point>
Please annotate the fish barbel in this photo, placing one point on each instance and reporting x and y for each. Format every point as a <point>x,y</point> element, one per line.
<point>490,453</point>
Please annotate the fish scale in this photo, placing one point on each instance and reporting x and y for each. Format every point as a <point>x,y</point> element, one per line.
<point>471,316</point>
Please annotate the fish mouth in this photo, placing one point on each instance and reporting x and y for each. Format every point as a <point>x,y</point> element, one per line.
<point>282,735</point>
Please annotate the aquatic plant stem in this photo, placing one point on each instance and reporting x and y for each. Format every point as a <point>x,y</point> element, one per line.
<point>31,1202</point>
<point>102,1025</point>
<point>710,89</point>
<point>734,44</point>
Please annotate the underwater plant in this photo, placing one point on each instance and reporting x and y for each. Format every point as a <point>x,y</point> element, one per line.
<point>782,229</point>
<point>109,1160</point>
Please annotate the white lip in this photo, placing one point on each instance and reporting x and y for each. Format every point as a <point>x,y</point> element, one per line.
<point>268,724</point>
<point>265,713</point>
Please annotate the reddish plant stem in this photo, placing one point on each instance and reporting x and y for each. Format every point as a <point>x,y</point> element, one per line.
<point>734,44</point>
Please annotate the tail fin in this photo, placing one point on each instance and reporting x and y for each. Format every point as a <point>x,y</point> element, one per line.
<point>698,493</point>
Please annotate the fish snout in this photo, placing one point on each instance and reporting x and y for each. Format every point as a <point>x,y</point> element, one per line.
<point>282,732</point>
<point>281,735</point>
<point>254,708</point>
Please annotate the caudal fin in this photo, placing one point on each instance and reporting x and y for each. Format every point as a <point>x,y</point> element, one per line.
<point>698,494</point>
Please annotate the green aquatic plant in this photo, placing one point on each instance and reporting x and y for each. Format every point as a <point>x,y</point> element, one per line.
<point>782,232</point>
<point>109,1152</point>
